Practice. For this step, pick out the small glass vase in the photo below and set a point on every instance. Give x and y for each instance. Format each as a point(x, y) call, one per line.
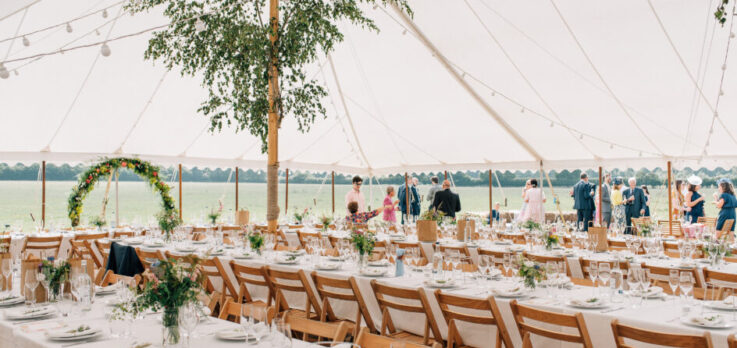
point(170, 335)
point(361, 261)
point(167, 236)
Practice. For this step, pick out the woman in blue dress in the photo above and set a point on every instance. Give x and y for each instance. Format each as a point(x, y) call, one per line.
point(726, 202)
point(647, 200)
point(694, 200)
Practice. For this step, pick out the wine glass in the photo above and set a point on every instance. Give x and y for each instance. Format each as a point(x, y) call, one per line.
point(6, 271)
point(686, 284)
point(283, 334)
point(507, 263)
point(644, 283)
point(604, 273)
point(189, 317)
point(484, 265)
point(633, 283)
point(673, 280)
point(248, 322)
point(31, 284)
point(593, 273)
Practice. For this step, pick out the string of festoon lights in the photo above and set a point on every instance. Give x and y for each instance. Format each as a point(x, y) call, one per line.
point(105, 49)
point(721, 85)
point(67, 24)
point(523, 109)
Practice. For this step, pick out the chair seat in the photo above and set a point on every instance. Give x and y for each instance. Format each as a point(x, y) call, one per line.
point(408, 337)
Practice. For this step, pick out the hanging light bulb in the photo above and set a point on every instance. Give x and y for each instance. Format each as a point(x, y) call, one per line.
point(731, 35)
point(199, 25)
point(707, 142)
point(522, 110)
point(26, 42)
point(493, 93)
point(552, 124)
point(711, 130)
point(716, 114)
point(104, 13)
point(4, 74)
point(721, 92)
point(376, 6)
point(724, 66)
point(69, 28)
point(611, 146)
point(105, 50)
point(404, 32)
point(581, 136)
point(640, 154)
point(16, 72)
point(97, 32)
point(463, 75)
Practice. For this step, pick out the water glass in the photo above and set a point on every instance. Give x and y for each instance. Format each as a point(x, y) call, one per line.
point(188, 319)
point(65, 303)
point(31, 285)
point(282, 334)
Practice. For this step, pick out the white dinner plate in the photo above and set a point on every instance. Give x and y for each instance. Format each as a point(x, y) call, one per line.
point(107, 290)
point(440, 284)
point(327, 266)
point(73, 333)
point(693, 321)
point(242, 256)
point(232, 334)
point(380, 263)
point(592, 303)
point(287, 262)
point(12, 301)
point(373, 272)
point(653, 292)
point(185, 249)
point(720, 305)
point(510, 293)
point(29, 313)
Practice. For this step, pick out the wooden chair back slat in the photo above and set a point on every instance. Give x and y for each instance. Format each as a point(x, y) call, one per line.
point(256, 276)
point(526, 329)
point(336, 332)
point(367, 339)
point(41, 244)
point(448, 303)
point(383, 291)
point(662, 339)
point(350, 293)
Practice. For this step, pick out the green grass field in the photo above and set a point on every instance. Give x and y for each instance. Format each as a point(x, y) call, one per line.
point(138, 204)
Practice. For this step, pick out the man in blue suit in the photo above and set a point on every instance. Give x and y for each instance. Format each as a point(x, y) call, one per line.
point(634, 200)
point(414, 198)
point(583, 198)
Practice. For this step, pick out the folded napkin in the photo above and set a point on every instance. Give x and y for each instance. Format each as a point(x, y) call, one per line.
point(707, 320)
point(730, 300)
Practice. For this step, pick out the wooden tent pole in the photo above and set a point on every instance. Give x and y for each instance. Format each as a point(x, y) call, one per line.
point(107, 194)
point(236, 189)
point(601, 214)
point(491, 204)
point(272, 190)
point(43, 194)
point(286, 193)
point(670, 201)
point(445, 175)
point(117, 201)
point(180, 190)
point(332, 185)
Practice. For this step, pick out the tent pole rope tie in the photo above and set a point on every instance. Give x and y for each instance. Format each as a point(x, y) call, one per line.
point(601, 78)
point(527, 80)
point(319, 189)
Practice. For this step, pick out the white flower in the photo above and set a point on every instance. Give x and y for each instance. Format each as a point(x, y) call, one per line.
point(529, 264)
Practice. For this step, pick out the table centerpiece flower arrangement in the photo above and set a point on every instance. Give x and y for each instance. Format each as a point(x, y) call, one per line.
point(531, 225)
point(256, 241)
point(168, 221)
point(645, 229)
point(98, 221)
point(531, 272)
point(325, 221)
point(364, 242)
point(299, 216)
point(56, 272)
point(214, 215)
point(169, 285)
point(433, 214)
point(550, 239)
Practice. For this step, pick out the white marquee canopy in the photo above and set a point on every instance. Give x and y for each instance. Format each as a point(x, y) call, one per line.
point(464, 84)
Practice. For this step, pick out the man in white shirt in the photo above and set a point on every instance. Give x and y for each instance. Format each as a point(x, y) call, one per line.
point(355, 195)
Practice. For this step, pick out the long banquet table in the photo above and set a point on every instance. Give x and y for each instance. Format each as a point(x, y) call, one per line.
point(656, 314)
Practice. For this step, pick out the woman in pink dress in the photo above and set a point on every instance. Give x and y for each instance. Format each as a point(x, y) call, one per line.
point(534, 199)
point(389, 206)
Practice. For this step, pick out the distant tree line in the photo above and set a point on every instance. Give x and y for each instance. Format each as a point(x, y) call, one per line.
point(657, 177)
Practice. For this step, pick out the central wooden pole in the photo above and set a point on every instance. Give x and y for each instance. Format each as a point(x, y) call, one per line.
point(406, 195)
point(43, 194)
point(670, 201)
point(333, 189)
point(180, 190)
point(236, 189)
point(272, 178)
point(286, 193)
point(445, 175)
point(601, 214)
point(491, 203)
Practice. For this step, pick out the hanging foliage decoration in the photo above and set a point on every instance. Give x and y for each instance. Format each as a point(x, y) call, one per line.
point(88, 179)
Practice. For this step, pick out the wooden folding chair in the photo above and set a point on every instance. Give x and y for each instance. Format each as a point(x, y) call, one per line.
point(111, 278)
point(707, 221)
point(675, 225)
point(91, 236)
point(148, 257)
point(527, 329)
point(304, 238)
point(367, 339)
point(718, 281)
point(624, 266)
point(658, 338)
point(497, 257)
point(659, 275)
point(255, 276)
point(727, 230)
point(543, 259)
point(336, 331)
point(732, 341)
point(414, 245)
point(293, 281)
point(41, 245)
point(80, 249)
point(103, 248)
point(448, 303)
point(385, 295)
point(122, 234)
point(462, 249)
point(330, 288)
point(233, 311)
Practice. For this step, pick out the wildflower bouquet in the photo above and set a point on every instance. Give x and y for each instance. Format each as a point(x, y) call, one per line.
point(168, 221)
point(57, 273)
point(530, 225)
point(531, 272)
point(300, 216)
point(363, 241)
point(433, 214)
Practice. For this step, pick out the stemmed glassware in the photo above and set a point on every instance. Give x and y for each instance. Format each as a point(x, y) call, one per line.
point(6, 269)
point(686, 284)
point(484, 264)
point(604, 274)
point(644, 283)
point(593, 273)
point(189, 317)
point(283, 334)
point(507, 263)
point(633, 282)
point(31, 285)
point(673, 281)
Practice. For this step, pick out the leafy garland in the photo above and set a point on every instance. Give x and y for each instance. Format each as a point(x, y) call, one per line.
point(103, 169)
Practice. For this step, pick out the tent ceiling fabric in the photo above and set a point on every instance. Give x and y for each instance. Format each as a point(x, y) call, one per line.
point(409, 112)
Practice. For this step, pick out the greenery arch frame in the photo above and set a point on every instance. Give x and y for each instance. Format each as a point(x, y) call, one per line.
point(89, 178)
